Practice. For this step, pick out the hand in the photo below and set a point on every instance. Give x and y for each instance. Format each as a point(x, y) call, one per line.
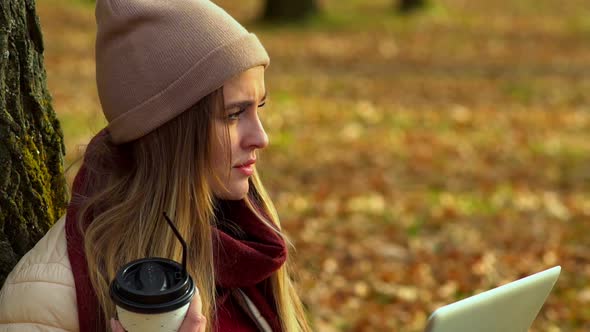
point(193, 322)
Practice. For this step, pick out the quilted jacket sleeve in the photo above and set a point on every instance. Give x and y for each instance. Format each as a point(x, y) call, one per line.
point(39, 294)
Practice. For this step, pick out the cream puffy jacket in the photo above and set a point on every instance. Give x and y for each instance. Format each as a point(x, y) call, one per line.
point(39, 294)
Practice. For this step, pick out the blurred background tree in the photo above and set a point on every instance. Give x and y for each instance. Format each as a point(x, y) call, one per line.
point(406, 6)
point(289, 10)
point(32, 184)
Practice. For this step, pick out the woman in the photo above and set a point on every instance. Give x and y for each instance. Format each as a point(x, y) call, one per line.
point(181, 84)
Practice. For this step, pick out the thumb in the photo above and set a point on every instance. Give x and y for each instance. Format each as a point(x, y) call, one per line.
point(194, 319)
point(116, 326)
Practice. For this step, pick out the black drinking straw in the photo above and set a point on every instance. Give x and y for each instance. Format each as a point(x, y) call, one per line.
point(184, 249)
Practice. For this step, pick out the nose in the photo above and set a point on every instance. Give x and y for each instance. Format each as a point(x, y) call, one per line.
point(256, 137)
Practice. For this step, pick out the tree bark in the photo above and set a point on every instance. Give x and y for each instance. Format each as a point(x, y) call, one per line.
point(406, 6)
point(33, 192)
point(289, 10)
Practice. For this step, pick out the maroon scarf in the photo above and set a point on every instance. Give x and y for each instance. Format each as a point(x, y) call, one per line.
point(239, 263)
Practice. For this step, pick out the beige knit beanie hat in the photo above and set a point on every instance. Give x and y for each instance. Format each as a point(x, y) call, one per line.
point(156, 58)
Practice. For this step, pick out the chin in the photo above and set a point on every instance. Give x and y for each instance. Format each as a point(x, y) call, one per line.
point(235, 192)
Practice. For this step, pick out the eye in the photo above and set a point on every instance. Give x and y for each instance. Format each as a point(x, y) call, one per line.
point(236, 115)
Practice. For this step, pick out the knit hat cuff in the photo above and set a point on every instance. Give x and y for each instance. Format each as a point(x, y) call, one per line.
point(204, 77)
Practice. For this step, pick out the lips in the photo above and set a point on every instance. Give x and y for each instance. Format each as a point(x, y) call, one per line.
point(246, 168)
point(247, 163)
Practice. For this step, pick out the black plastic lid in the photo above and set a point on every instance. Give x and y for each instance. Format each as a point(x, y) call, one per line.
point(152, 285)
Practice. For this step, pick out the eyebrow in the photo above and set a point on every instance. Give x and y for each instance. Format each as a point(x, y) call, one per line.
point(244, 104)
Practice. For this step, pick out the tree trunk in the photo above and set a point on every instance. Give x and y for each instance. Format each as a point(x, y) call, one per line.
point(289, 10)
point(33, 192)
point(406, 6)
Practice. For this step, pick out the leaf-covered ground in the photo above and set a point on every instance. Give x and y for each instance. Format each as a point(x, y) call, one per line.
point(414, 161)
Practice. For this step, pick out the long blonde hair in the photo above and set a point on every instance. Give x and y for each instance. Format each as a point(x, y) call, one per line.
point(166, 171)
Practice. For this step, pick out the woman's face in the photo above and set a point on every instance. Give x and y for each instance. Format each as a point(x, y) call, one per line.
point(243, 96)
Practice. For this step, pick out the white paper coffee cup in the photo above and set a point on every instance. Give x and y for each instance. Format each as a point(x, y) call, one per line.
point(162, 322)
point(152, 294)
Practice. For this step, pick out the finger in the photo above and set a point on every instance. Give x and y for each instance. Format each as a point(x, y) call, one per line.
point(193, 323)
point(116, 326)
point(196, 302)
point(194, 320)
point(203, 325)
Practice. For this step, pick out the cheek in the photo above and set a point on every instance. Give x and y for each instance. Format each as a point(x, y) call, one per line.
point(231, 145)
point(223, 147)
